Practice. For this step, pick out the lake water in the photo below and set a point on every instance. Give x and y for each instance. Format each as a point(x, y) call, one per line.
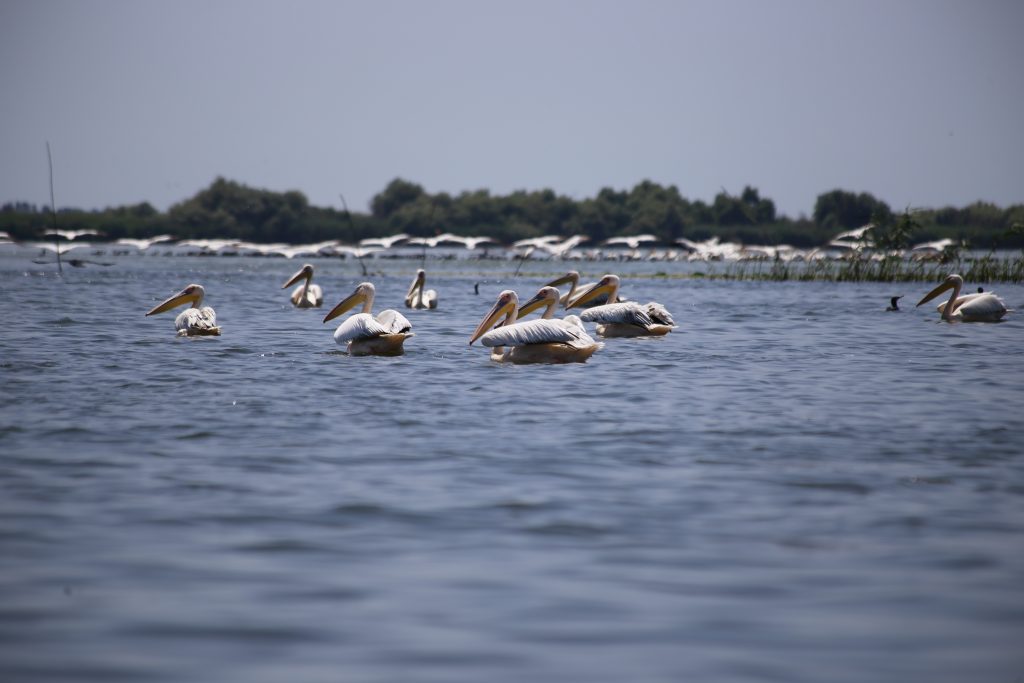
point(793, 486)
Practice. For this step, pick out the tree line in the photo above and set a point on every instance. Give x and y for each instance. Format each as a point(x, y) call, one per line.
point(228, 209)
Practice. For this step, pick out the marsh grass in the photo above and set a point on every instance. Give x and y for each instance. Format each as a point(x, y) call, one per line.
point(861, 268)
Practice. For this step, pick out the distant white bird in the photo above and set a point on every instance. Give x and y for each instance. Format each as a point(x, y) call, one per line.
point(936, 246)
point(207, 244)
point(631, 241)
point(425, 242)
point(533, 341)
point(383, 242)
point(474, 242)
point(193, 321)
point(416, 297)
point(365, 334)
point(355, 252)
point(143, 243)
point(306, 295)
point(561, 248)
point(856, 234)
point(536, 242)
point(623, 319)
point(71, 234)
point(983, 307)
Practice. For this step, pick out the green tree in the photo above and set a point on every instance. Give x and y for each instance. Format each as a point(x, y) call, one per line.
point(398, 194)
point(841, 210)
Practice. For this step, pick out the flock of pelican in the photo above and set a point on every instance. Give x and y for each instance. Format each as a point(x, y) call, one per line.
point(511, 339)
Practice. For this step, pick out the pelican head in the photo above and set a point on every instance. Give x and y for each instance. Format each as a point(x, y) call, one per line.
point(192, 294)
point(506, 305)
point(305, 272)
point(417, 283)
point(545, 296)
point(572, 278)
point(363, 294)
point(609, 284)
point(952, 281)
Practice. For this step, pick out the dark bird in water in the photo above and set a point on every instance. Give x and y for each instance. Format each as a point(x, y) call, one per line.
point(476, 288)
point(893, 303)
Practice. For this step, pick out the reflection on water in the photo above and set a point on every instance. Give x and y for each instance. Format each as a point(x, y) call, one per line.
point(795, 485)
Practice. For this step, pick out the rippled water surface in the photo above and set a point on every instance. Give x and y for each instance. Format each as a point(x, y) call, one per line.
point(793, 486)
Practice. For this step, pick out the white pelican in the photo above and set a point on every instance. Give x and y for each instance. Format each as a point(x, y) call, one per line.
point(983, 307)
point(546, 296)
point(576, 290)
point(193, 321)
point(416, 297)
point(306, 295)
point(625, 318)
point(534, 341)
point(366, 334)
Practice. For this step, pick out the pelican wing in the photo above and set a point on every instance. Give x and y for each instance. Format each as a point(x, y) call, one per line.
point(982, 306)
point(316, 295)
point(536, 332)
point(659, 314)
point(393, 321)
point(359, 326)
point(960, 301)
point(194, 321)
point(628, 312)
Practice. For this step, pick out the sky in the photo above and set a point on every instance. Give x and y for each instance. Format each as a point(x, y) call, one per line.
point(918, 102)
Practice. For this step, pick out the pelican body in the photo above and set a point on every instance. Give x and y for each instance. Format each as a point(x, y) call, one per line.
point(416, 297)
point(983, 307)
point(194, 321)
point(625, 318)
point(535, 341)
point(306, 295)
point(365, 334)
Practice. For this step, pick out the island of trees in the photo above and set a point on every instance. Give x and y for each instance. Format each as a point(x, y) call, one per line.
point(231, 210)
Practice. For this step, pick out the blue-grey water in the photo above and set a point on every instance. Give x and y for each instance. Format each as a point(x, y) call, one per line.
point(793, 486)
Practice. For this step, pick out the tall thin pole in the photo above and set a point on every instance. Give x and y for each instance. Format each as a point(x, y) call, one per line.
point(53, 209)
point(522, 260)
point(352, 227)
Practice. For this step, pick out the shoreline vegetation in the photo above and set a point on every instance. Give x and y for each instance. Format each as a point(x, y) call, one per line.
point(849, 237)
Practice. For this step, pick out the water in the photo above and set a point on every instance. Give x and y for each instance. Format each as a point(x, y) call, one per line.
point(793, 486)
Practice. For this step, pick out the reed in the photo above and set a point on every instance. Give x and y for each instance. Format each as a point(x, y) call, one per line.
point(864, 268)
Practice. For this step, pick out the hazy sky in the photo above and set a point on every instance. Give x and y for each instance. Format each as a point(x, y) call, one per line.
point(920, 103)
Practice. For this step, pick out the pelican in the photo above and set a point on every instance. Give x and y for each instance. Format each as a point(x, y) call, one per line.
point(193, 321)
point(626, 318)
point(366, 334)
point(416, 297)
point(894, 304)
point(534, 341)
point(983, 307)
point(576, 290)
point(960, 300)
point(546, 296)
point(306, 295)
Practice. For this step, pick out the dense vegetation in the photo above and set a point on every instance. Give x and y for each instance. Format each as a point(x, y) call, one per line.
point(227, 209)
